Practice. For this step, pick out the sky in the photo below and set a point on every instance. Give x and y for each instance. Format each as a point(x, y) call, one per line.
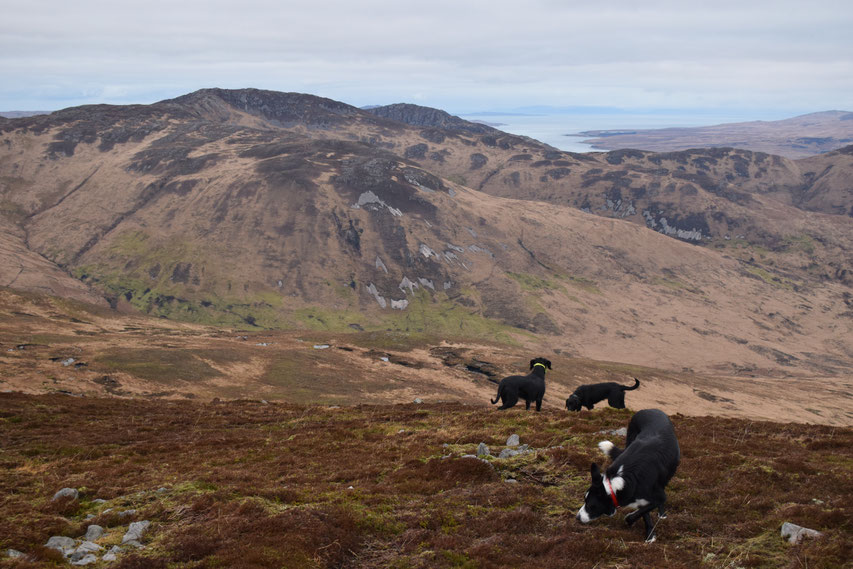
point(462, 56)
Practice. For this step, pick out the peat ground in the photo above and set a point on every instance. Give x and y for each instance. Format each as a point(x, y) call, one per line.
point(250, 484)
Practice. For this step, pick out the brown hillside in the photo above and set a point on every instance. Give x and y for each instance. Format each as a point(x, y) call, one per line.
point(266, 210)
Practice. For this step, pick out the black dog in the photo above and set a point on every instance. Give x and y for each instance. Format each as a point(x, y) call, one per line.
point(639, 473)
point(588, 395)
point(530, 387)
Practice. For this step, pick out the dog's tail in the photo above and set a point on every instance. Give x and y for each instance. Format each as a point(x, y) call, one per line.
point(498, 396)
point(609, 449)
point(635, 386)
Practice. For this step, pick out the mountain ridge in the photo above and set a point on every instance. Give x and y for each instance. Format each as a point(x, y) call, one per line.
point(290, 211)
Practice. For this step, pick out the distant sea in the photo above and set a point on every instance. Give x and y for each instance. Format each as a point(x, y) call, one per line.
point(553, 128)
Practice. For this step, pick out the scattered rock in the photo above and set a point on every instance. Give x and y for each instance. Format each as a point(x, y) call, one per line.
point(66, 493)
point(134, 533)
point(112, 555)
point(94, 533)
point(483, 450)
point(794, 533)
point(513, 440)
point(85, 560)
point(14, 553)
point(623, 432)
point(61, 543)
point(511, 481)
point(321, 346)
point(508, 453)
point(418, 401)
point(88, 547)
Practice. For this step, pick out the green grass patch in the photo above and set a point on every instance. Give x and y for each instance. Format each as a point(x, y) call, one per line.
point(769, 278)
point(532, 283)
point(583, 283)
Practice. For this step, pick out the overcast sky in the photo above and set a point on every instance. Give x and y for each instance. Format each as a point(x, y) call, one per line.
point(458, 55)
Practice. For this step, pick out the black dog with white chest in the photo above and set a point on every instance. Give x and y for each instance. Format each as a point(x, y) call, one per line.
point(588, 395)
point(530, 387)
point(638, 476)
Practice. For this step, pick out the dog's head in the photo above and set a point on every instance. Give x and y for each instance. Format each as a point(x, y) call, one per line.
point(543, 361)
point(573, 403)
point(597, 502)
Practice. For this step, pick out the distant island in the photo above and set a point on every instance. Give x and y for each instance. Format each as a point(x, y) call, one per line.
point(798, 137)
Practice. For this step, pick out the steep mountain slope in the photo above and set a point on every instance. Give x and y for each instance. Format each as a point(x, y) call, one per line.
point(729, 199)
point(259, 209)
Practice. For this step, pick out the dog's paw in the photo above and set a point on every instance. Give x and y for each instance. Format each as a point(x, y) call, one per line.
point(606, 447)
point(662, 517)
point(651, 539)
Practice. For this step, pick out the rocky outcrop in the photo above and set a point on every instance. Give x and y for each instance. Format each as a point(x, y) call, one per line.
point(416, 115)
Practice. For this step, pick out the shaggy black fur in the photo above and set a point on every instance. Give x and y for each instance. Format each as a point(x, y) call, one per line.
point(638, 476)
point(530, 387)
point(588, 395)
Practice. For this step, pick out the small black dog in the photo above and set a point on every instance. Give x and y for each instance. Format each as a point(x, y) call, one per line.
point(588, 395)
point(530, 387)
point(638, 476)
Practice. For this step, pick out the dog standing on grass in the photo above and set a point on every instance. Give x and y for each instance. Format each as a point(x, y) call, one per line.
point(588, 395)
point(530, 387)
point(638, 476)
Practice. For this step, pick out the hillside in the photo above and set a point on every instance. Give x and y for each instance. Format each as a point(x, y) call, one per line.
point(50, 345)
point(797, 137)
point(259, 210)
point(249, 484)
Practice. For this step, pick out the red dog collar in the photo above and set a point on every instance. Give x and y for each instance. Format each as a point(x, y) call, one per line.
point(609, 488)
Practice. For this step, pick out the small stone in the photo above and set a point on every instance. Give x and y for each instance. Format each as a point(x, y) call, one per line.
point(134, 532)
point(508, 453)
point(483, 450)
point(126, 513)
point(511, 481)
point(794, 533)
point(85, 560)
point(418, 401)
point(94, 532)
point(513, 440)
point(14, 553)
point(88, 547)
point(66, 493)
point(61, 543)
point(109, 557)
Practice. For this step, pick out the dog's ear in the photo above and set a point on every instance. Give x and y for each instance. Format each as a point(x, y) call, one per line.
point(532, 362)
point(595, 473)
point(548, 363)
